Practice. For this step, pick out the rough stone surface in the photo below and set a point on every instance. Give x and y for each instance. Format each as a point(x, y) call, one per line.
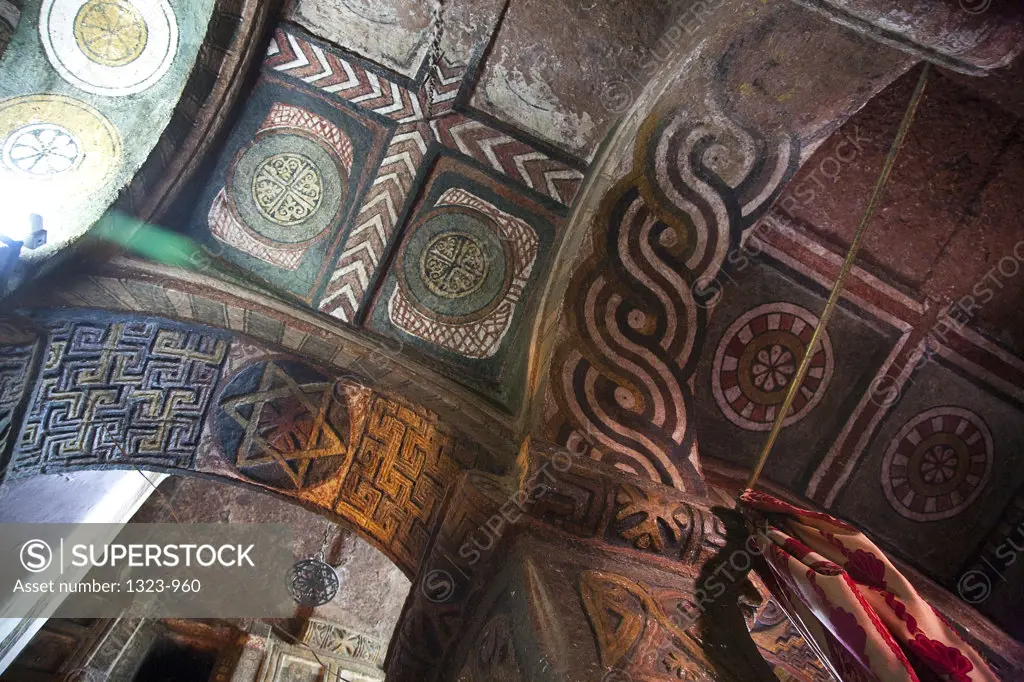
point(395, 33)
point(374, 589)
point(565, 70)
point(949, 214)
point(970, 34)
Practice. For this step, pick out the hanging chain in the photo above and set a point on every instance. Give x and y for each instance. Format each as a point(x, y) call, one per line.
point(322, 554)
point(837, 288)
point(434, 57)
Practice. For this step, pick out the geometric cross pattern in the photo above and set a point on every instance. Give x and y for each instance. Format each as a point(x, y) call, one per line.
point(334, 639)
point(119, 392)
point(285, 191)
point(15, 366)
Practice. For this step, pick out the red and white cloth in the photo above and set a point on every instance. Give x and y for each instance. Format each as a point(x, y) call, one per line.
point(865, 620)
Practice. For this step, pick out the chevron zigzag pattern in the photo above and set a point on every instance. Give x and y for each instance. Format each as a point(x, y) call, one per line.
point(509, 156)
point(375, 223)
point(328, 71)
point(447, 83)
point(332, 72)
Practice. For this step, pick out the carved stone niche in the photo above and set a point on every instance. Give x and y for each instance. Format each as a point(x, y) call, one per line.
point(327, 651)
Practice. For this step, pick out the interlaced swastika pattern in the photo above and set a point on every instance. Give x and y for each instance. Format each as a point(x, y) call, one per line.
point(119, 392)
point(397, 480)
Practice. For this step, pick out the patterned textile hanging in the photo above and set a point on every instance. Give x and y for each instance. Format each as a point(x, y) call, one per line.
point(861, 615)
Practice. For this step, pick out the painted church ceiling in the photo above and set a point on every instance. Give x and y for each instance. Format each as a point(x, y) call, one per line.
point(383, 200)
point(425, 209)
point(405, 204)
point(86, 88)
point(423, 203)
point(910, 421)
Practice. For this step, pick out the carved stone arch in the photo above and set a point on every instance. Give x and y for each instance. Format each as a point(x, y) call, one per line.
point(109, 390)
point(200, 296)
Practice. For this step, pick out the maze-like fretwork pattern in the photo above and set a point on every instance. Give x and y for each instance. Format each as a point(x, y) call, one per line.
point(118, 392)
point(397, 480)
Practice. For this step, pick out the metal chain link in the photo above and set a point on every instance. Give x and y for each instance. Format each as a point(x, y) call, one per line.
point(436, 33)
point(322, 554)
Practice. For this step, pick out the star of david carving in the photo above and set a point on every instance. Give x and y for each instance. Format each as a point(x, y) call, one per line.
point(288, 424)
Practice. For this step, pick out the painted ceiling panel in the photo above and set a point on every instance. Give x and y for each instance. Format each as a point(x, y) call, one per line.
point(86, 88)
point(391, 204)
point(758, 331)
point(565, 71)
point(940, 469)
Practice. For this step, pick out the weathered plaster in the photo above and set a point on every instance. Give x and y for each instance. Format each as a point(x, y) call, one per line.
point(69, 208)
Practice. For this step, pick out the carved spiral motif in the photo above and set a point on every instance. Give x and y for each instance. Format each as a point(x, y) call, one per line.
point(635, 313)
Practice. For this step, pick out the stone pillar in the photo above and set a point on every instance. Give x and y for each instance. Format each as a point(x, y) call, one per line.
point(581, 572)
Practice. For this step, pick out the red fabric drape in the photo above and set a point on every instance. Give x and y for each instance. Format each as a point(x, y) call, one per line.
point(865, 620)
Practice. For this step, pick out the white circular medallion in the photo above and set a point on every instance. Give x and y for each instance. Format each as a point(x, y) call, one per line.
point(41, 149)
point(109, 47)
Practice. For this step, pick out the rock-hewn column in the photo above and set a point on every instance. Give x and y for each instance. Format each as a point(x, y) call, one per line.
point(580, 573)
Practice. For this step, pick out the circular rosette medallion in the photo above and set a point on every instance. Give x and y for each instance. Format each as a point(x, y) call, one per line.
point(455, 265)
point(287, 188)
point(937, 464)
point(109, 47)
point(55, 149)
point(757, 360)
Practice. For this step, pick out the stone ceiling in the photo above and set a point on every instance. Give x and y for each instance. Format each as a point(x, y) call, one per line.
point(545, 230)
point(415, 182)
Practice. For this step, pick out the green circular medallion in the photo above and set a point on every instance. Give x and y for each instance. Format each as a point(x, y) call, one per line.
point(288, 188)
point(455, 265)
